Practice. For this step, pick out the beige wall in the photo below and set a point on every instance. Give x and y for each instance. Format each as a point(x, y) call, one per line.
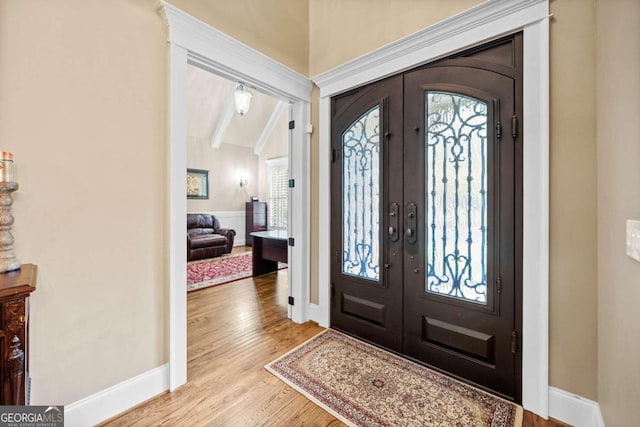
point(277, 28)
point(83, 107)
point(341, 30)
point(573, 292)
point(618, 31)
point(225, 165)
point(573, 264)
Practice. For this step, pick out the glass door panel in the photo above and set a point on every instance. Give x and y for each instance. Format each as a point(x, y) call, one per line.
point(456, 195)
point(361, 197)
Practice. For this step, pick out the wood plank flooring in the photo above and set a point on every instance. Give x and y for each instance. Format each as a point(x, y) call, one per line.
point(233, 331)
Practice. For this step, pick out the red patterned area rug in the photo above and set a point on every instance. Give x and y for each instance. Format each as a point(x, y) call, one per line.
point(217, 271)
point(363, 385)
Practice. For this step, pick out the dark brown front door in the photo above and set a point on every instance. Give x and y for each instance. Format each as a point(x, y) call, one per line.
point(426, 215)
point(366, 241)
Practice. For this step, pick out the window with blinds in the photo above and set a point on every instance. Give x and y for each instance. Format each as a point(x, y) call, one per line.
point(278, 190)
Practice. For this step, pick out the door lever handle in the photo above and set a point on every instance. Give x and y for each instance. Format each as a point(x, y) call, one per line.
point(412, 223)
point(394, 209)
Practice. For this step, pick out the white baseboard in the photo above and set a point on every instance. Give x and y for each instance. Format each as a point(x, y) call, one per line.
point(599, 419)
point(573, 409)
point(118, 398)
point(314, 312)
point(563, 406)
point(234, 220)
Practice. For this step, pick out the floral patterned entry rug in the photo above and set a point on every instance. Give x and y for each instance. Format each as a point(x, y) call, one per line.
point(363, 385)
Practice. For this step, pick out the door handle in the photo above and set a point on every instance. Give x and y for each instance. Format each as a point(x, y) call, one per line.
point(393, 221)
point(412, 223)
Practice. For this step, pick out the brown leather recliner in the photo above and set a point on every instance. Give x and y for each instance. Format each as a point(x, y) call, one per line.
point(205, 238)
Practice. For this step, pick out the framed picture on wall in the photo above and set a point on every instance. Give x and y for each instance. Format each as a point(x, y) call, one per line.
point(197, 184)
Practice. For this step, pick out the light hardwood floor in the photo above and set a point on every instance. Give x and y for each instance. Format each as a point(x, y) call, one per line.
point(233, 331)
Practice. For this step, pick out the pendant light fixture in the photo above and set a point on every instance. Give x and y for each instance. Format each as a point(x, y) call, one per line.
point(242, 99)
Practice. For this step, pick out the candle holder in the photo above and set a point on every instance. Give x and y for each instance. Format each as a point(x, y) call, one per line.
point(8, 261)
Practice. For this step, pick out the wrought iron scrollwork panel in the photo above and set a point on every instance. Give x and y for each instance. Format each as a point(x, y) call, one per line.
point(360, 196)
point(456, 195)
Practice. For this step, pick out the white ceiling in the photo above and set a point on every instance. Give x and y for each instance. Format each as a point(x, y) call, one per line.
point(208, 95)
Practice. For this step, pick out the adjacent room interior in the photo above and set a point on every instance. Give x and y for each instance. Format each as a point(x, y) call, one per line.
point(237, 178)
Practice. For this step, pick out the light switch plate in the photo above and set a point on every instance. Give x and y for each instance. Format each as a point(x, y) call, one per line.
point(633, 239)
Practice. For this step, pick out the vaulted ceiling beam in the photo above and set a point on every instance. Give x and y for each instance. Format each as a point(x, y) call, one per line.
point(223, 123)
point(268, 128)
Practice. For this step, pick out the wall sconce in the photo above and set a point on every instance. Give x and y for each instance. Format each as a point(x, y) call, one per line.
point(242, 99)
point(243, 182)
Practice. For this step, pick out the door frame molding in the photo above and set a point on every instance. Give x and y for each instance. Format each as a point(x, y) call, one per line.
point(193, 42)
point(480, 24)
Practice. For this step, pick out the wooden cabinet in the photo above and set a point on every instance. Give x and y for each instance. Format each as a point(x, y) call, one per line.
point(15, 288)
point(256, 219)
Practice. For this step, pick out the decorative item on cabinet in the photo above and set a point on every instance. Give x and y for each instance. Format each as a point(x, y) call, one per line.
point(15, 288)
point(8, 261)
point(256, 219)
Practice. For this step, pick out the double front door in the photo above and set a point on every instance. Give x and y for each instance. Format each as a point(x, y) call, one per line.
point(426, 215)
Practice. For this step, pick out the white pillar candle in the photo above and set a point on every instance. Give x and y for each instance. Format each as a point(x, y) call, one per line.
point(6, 174)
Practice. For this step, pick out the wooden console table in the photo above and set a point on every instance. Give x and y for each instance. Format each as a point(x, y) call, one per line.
point(269, 248)
point(15, 288)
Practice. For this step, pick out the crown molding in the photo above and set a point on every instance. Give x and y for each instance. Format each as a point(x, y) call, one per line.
point(438, 40)
point(214, 50)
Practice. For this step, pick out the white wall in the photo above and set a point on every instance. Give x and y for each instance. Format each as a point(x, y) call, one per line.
point(225, 165)
point(276, 146)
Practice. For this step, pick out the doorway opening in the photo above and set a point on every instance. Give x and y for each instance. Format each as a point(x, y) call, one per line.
point(237, 178)
point(192, 42)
